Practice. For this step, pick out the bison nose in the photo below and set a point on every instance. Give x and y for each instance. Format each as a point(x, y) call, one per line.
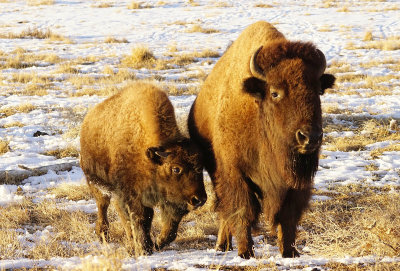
point(196, 202)
point(308, 138)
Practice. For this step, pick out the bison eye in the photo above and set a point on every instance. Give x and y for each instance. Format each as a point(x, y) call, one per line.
point(176, 170)
point(275, 94)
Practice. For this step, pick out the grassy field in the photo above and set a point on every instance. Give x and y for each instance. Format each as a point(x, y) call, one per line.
point(50, 77)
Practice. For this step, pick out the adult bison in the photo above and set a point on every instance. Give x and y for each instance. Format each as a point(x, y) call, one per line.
point(131, 149)
point(258, 119)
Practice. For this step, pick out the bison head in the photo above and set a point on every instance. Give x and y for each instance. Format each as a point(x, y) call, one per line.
point(179, 174)
point(287, 80)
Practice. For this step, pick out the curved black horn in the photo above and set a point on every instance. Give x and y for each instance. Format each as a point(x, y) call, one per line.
point(255, 70)
point(323, 62)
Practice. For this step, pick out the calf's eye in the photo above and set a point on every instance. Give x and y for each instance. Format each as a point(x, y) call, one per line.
point(274, 94)
point(176, 170)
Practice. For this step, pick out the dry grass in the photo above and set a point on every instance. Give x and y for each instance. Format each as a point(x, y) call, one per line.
point(35, 33)
point(115, 40)
point(40, 2)
point(70, 151)
point(263, 5)
point(140, 57)
point(371, 131)
point(139, 5)
point(200, 29)
point(12, 124)
point(343, 9)
point(368, 36)
point(20, 59)
point(325, 28)
point(4, 146)
point(377, 153)
point(90, 91)
point(387, 44)
point(71, 192)
point(11, 110)
point(357, 221)
point(67, 67)
point(103, 4)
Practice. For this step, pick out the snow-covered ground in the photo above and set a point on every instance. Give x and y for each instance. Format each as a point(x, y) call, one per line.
point(163, 25)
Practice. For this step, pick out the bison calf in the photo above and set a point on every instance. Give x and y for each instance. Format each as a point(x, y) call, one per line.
point(132, 149)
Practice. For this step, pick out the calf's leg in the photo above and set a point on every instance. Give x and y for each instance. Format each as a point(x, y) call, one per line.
point(171, 216)
point(102, 202)
point(136, 220)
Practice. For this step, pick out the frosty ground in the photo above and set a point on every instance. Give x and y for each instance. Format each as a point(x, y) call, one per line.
point(59, 58)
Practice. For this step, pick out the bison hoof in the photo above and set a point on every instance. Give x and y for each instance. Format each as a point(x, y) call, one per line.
point(104, 237)
point(291, 253)
point(246, 254)
point(223, 247)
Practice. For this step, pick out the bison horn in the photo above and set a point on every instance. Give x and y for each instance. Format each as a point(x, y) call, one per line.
point(322, 62)
point(255, 70)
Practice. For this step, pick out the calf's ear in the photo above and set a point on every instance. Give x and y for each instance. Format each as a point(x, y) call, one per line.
point(255, 87)
point(327, 81)
point(157, 155)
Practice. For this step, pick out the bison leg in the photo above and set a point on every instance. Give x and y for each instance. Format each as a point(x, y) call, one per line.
point(238, 207)
point(136, 220)
point(170, 217)
point(102, 202)
point(287, 219)
point(224, 241)
point(245, 242)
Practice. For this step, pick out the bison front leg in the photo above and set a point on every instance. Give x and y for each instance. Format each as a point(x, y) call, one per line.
point(244, 240)
point(238, 209)
point(287, 219)
point(170, 218)
point(136, 220)
point(102, 202)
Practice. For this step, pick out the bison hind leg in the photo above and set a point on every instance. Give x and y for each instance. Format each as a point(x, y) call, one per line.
point(102, 202)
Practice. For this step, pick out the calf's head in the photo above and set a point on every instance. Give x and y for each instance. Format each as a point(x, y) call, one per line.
point(179, 173)
point(287, 80)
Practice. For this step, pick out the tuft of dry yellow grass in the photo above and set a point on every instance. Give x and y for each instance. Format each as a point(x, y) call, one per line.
point(115, 40)
point(36, 33)
point(12, 124)
point(4, 146)
point(11, 110)
point(141, 56)
point(200, 29)
point(70, 151)
point(140, 5)
point(39, 2)
point(263, 5)
point(368, 36)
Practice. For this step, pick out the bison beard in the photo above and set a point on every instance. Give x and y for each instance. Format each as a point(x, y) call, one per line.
point(303, 168)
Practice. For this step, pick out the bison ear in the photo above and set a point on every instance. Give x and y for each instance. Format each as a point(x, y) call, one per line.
point(327, 81)
point(157, 155)
point(255, 87)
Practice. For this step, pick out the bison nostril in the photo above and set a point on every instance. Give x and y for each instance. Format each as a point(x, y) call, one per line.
point(195, 201)
point(302, 137)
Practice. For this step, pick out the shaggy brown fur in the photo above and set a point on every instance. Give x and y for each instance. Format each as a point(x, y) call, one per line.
point(131, 148)
point(261, 133)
